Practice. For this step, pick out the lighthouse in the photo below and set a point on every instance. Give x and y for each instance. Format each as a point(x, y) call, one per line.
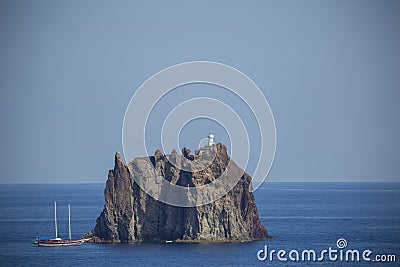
point(210, 139)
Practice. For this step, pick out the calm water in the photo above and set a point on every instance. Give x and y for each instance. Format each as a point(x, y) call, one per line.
point(299, 215)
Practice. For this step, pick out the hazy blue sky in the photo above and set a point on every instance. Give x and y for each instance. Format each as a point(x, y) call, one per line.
point(329, 69)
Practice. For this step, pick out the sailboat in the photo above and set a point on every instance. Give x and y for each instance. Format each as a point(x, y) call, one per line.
point(57, 241)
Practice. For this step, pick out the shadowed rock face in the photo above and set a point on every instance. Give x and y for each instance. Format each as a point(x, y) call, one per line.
point(131, 215)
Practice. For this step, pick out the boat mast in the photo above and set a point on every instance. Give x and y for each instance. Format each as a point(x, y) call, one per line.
point(69, 221)
point(55, 217)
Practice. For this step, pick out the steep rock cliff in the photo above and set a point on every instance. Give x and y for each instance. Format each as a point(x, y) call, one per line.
point(131, 215)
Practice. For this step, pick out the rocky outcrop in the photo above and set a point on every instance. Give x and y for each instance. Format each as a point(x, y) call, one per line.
point(131, 215)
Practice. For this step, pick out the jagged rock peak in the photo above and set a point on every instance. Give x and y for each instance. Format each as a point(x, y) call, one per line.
point(118, 161)
point(186, 152)
point(158, 155)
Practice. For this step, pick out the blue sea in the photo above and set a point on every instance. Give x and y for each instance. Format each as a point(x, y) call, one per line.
point(301, 216)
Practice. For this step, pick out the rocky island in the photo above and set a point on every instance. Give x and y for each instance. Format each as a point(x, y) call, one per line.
point(131, 215)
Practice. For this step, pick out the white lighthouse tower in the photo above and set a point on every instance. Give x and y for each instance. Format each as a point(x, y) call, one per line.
point(210, 139)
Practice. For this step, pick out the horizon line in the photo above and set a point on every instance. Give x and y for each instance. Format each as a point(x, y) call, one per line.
point(265, 182)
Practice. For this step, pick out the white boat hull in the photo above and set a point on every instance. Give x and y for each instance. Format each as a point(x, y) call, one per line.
point(60, 244)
